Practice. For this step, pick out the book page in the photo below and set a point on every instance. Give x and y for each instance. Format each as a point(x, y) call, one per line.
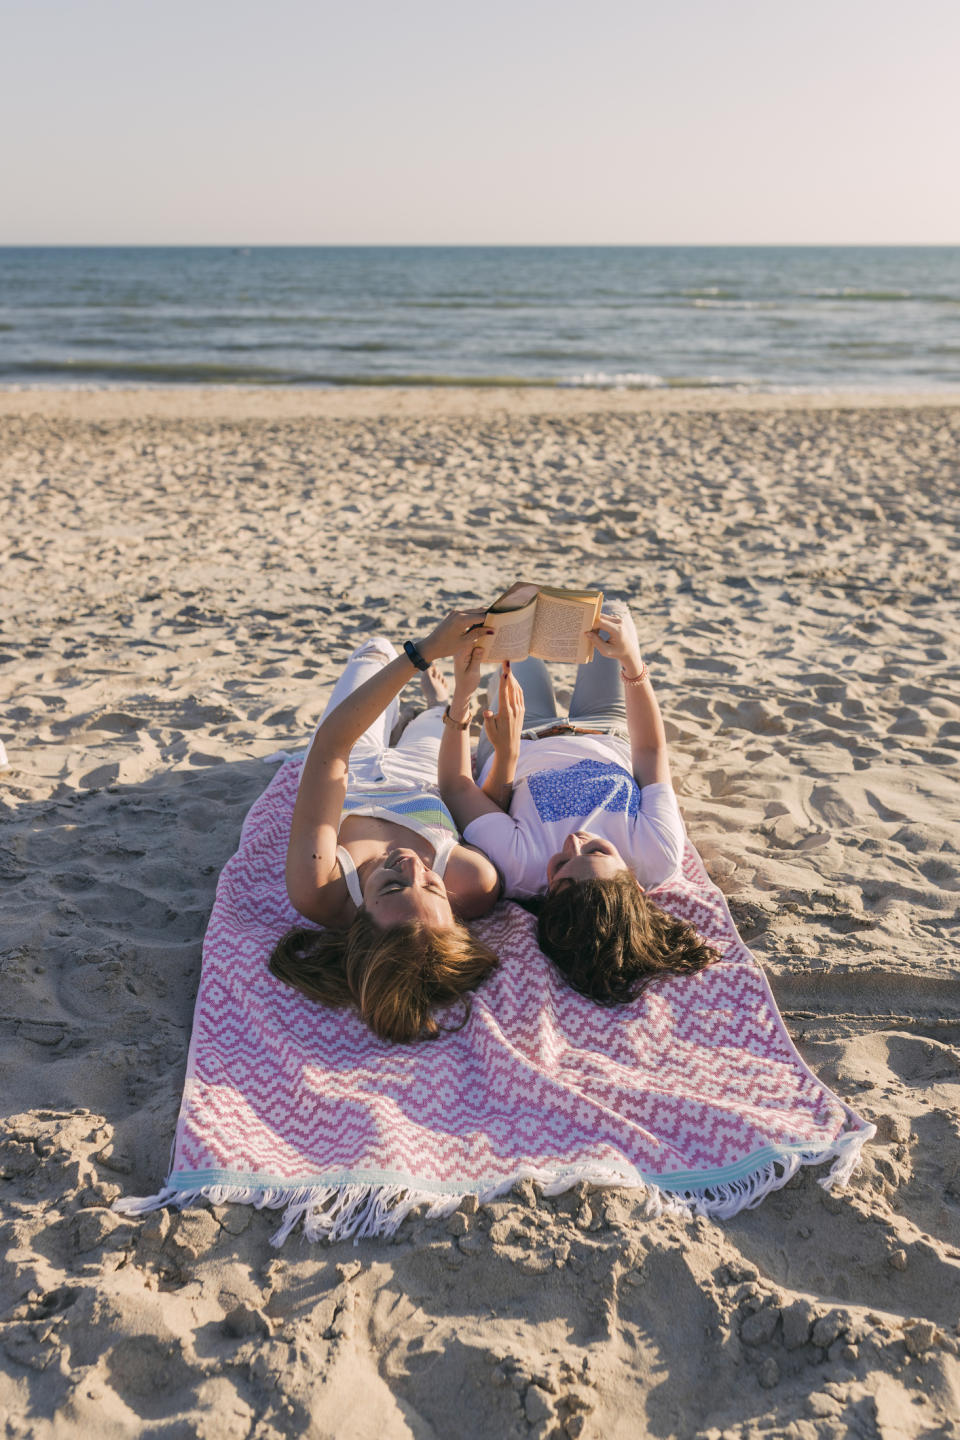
point(513, 628)
point(559, 630)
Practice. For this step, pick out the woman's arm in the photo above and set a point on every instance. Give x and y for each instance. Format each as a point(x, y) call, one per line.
point(312, 850)
point(648, 740)
point(462, 796)
point(503, 731)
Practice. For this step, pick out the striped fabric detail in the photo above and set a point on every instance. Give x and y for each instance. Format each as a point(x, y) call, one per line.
point(419, 806)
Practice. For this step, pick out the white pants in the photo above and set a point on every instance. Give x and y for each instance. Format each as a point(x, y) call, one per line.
point(413, 760)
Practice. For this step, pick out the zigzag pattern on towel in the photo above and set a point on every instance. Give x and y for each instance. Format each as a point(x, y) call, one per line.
point(697, 1075)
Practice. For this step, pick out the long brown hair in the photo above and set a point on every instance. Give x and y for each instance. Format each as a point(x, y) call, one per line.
point(394, 977)
point(610, 940)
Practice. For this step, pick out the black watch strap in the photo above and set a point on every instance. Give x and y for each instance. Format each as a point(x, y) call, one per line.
point(414, 656)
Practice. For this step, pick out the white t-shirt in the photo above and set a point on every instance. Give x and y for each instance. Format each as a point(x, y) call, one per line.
point(578, 782)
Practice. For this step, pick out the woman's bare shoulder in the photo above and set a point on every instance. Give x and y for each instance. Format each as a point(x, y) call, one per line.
point(472, 881)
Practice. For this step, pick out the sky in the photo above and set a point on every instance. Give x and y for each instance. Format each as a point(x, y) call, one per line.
point(507, 122)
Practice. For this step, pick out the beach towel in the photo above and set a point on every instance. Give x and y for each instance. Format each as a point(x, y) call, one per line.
point(693, 1093)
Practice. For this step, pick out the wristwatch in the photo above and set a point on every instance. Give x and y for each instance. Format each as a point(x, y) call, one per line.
point(457, 724)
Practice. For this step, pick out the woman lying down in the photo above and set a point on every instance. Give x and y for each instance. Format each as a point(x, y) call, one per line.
point(579, 811)
point(375, 855)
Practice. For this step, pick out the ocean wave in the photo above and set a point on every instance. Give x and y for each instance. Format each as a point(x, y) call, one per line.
point(183, 317)
point(872, 349)
point(571, 353)
point(482, 302)
point(706, 292)
point(153, 371)
point(852, 292)
point(642, 380)
point(736, 304)
point(158, 373)
point(601, 380)
point(715, 382)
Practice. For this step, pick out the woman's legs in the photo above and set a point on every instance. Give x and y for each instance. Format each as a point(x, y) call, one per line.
point(598, 696)
point(539, 701)
point(413, 759)
point(420, 741)
point(365, 661)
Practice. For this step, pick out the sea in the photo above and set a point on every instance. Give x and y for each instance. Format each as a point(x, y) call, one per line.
point(778, 318)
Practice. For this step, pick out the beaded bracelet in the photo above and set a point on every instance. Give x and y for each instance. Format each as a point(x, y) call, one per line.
point(634, 679)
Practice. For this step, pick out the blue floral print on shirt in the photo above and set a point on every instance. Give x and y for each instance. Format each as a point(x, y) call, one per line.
point(583, 789)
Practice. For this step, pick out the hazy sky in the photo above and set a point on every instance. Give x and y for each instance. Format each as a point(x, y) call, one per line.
point(439, 121)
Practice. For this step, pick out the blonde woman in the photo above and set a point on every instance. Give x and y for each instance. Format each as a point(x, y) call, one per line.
point(375, 856)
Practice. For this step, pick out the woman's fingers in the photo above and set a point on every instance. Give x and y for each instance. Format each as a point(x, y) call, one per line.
point(609, 620)
point(615, 634)
point(467, 665)
point(445, 638)
point(468, 647)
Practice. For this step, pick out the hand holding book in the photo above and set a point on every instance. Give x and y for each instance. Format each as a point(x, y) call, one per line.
point(622, 642)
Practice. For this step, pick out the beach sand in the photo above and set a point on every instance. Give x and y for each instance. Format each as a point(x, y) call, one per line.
point(183, 574)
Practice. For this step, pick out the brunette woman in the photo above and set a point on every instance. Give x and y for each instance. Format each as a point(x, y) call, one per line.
point(579, 811)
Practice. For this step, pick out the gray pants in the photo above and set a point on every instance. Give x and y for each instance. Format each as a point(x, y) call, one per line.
point(597, 703)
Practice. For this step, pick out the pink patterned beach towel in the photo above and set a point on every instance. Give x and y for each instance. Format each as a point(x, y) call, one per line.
point(693, 1093)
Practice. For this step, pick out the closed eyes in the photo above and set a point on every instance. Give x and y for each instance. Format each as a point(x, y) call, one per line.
point(391, 889)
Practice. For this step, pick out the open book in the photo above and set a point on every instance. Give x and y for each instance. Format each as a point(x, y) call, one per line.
point(538, 620)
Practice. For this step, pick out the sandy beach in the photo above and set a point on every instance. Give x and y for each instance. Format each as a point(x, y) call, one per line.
point(183, 574)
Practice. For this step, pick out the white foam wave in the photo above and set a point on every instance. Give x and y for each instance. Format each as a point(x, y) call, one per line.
point(629, 379)
point(641, 380)
point(735, 305)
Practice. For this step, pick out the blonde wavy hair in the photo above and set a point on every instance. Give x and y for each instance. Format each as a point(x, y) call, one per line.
point(395, 978)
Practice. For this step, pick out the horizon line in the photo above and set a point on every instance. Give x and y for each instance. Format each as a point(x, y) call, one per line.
point(480, 245)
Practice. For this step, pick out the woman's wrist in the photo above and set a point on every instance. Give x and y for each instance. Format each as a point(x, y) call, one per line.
point(632, 664)
point(461, 705)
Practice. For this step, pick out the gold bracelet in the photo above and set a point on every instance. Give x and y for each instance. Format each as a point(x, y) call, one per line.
point(634, 679)
point(457, 724)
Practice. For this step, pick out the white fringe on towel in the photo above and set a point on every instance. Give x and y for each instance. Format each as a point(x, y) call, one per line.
point(344, 1212)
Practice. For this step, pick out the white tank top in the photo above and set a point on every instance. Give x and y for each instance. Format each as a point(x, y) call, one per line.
point(421, 811)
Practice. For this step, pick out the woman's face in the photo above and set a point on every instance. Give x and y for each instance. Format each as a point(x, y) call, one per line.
point(401, 890)
point(585, 857)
